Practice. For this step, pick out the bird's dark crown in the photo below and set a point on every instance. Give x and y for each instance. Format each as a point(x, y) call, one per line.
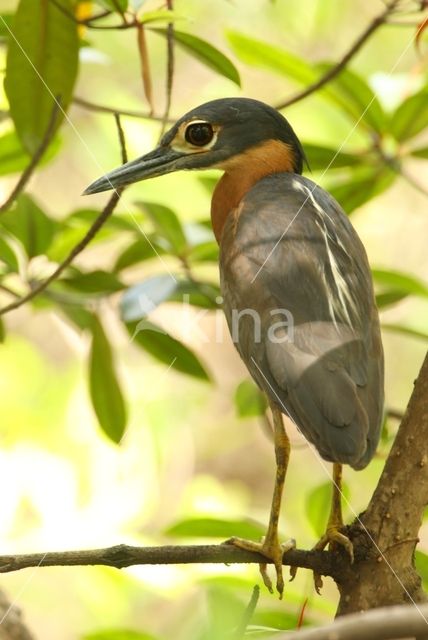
point(239, 124)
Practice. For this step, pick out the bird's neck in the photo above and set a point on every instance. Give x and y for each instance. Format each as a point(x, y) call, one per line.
point(242, 172)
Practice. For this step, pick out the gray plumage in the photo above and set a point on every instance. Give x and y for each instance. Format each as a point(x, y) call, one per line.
point(328, 375)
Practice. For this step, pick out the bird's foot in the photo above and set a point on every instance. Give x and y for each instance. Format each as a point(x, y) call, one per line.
point(274, 551)
point(332, 537)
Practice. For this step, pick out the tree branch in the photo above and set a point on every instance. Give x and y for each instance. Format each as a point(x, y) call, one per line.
point(91, 233)
point(91, 106)
point(387, 623)
point(28, 172)
point(123, 555)
point(377, 22)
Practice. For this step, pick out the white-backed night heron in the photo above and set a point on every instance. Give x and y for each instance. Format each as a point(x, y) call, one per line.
point(291, 261)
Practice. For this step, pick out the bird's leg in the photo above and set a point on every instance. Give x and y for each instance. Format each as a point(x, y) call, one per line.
point(335, 523)
point(270, 545)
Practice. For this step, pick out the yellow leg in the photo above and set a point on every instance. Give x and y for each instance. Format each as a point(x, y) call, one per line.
point(333, 533)
point(270, 545)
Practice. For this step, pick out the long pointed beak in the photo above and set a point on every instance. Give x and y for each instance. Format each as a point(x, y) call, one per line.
point(156, 163)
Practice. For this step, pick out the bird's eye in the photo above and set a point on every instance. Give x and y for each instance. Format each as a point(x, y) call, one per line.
point(199, 134)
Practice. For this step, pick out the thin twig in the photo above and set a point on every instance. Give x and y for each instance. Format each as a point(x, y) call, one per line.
point(122, 141)
point(412, 182)
point(28, 172)
point(377, 22)
point(91, 233)
point(145, 65)
point(122, 555)
point(91, 106)
point(170, 67)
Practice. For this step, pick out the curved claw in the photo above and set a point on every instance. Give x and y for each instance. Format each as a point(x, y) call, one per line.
point(332, 536)
point(274, 551)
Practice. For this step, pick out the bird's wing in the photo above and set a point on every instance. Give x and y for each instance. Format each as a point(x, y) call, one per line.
point(292, 256)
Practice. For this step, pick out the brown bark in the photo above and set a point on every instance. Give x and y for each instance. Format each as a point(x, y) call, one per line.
point(386, 534)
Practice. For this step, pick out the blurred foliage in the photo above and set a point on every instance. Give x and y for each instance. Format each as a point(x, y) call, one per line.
point(152, 257)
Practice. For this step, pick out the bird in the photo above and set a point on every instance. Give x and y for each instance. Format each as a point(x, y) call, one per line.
point(297, 292)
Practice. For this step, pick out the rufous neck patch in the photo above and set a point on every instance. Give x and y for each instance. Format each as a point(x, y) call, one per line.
point(242, 172)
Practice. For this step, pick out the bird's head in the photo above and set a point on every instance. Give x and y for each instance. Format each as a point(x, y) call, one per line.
point(216, 134)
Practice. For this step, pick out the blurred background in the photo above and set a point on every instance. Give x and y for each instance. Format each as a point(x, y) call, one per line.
point(195, 457)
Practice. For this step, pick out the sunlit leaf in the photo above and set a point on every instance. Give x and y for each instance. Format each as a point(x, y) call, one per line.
point(113, 5)
point(205, 53)
point(204, 252)
point(142, 298)
point(421, 564)
point(216, 528)
point(161, 16)
point(30, 225)
point(41, 65)
point(355, 97)
point(321, 158)
point(361, 187)
point(400, 282)
point(388, 298)
point(197, 293)
point(165, 348)
point(97, 281)
point(422, 153)
point(249, 400)
point(407, 331)
point(6, 20)
point(106, 394)
point(145, 248)
point(13, 158)
point(411, 117)
point(261, 54)
point(118, 634)
point(318, 504)
point(8, 256)
point(167, 225)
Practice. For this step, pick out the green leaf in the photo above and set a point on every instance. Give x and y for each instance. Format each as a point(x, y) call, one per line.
point(421, 565)
point(260, 54)
point(140, 250)
point(407, 331)
point(389, 298)
point(355, 97)
point(8, 256)
point(113, 5)
point(422, 153)
point(318, 506)
point(216, 528)
point(249, 400)
point(118, 634)
point(2, 330)
point(41, 65)
point(167, 225)
point(399, 281)
point(160, 16)
point(208, 182)
point(30, 225)
point(411, 117)
point(97, 281)
point(361, 187)
point(78, 315)
point(166, 349)
point(319, 158)
point(204, 252)
point(199, 294)
point(142, 298)
point(205, 53)
point(6, 20)
point(106, 395)
point(14, 159)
